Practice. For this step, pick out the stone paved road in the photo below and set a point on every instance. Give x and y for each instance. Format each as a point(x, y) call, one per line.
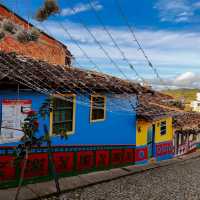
point(180, 181)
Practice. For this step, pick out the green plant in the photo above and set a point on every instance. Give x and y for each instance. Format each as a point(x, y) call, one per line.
point(8, 26)
point(34, 34)
point(22, 36)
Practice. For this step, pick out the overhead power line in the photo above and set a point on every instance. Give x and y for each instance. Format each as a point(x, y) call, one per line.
point(135, 39)
point(100, 45)
point(81, 49)
point(36, 86)
point(76, 43)
point(70, 35)
point(114, 42)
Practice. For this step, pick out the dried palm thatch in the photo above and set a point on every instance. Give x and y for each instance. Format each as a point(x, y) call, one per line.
point(187, 120)
point(41, 15)
point(8, 26)
point(50, 8)
point(61, 78)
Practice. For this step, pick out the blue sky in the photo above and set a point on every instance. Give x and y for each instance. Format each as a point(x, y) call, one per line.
point(167, 29)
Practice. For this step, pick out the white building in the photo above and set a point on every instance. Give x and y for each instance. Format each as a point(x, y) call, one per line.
point(196, 104)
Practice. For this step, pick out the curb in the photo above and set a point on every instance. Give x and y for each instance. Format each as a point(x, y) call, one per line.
point(67, 184)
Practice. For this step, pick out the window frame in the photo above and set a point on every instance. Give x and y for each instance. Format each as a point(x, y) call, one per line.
point(165, 127)
point(74, 116)
point(91, 108)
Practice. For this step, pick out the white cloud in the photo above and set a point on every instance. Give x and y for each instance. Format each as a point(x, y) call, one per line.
point(184, 80)
point(177, 11)
point(172, 52)
point(164, 47)
point(81, 8)
point(186, 77)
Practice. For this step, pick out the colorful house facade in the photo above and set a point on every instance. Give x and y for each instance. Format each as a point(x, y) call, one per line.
point(94, 121)
point(154, 135)
point(187, 133)
point(95, 111)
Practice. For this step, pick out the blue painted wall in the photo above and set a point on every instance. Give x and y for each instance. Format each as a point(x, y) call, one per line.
point(119, 126)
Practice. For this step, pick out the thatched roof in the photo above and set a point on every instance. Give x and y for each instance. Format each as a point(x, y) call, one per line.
point(45, 76)
point(187, 121)
point(154, 106)
point(151, 112)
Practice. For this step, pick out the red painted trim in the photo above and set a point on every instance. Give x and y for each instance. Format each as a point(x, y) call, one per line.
point(85, 160)
point(102, 158)
point(164, 148)
point(141, 154)
point(7, 170)
point(64, 161)
point(37, 165)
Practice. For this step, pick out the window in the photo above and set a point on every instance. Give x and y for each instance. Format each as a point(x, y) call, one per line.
point(163, 128)
point(98, 108)
point(63, 115)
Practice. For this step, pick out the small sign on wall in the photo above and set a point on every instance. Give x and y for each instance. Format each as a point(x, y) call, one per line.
point(13, 114)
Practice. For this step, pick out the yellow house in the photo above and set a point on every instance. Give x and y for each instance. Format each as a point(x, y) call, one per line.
point(154, 135)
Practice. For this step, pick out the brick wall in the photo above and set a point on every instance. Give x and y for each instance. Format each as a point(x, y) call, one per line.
point(46, 48)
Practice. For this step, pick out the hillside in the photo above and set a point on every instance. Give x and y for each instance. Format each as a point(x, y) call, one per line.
point(188, 94)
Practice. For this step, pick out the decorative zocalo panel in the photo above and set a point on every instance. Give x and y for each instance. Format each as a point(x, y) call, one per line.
point(164, 148)
point(141, 154)
point(68, 161)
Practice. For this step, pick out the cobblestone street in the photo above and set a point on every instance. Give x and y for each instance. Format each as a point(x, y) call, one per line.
point(180, 181)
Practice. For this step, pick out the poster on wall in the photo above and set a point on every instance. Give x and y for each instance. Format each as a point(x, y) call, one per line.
point(13, 114)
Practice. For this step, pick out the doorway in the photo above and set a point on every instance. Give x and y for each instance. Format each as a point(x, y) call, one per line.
point(151, 141)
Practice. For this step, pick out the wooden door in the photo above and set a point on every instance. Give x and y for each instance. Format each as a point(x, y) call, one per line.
point(150, 141)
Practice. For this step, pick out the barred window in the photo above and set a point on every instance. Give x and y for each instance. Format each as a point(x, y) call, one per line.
point(63, 115)
point(163, 128)
point(98, 108)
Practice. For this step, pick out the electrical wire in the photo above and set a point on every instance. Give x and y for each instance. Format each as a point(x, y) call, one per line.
point(29, 83)
point(68, 33)
point(83, 51)
point(100, 45)
point(114, 42)
point(135, 39)
point(36, 88)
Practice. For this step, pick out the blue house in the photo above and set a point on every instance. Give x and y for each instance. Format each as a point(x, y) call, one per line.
point(96, 111)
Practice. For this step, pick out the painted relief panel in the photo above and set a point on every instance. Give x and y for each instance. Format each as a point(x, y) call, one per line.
point(13, 114)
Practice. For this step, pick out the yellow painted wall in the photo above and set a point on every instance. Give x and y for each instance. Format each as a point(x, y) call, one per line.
point(141, 136)
point(169, 134)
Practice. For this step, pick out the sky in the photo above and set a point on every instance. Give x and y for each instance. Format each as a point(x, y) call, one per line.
point(168, 31)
